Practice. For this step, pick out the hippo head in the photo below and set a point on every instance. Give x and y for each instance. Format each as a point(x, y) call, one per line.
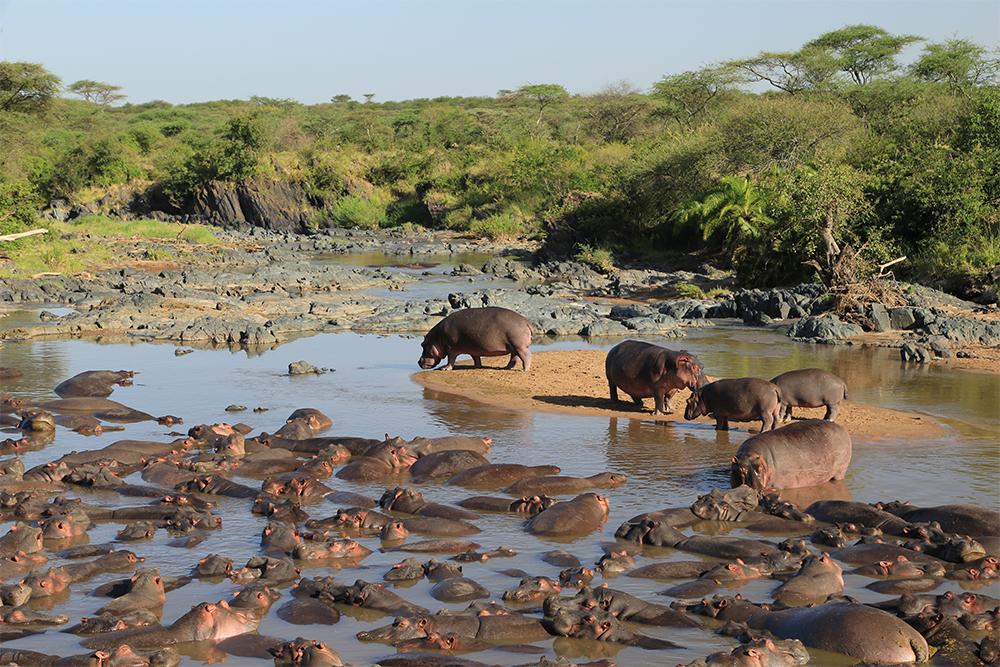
point(752, 471)
point(432, 356)
point(694, 407)
point(690, 371)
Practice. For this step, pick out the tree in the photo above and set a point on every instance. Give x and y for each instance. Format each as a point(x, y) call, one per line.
point(18, 205)
point(27, 87)
point(544, 94)
point(734, 210)
point(691, 96)
point(817, 201)
point(340, 99)
point(617, 111)
point(864, 52)
point(103, 94)
point(959, 63)
point(791, 72)
point(759, 134)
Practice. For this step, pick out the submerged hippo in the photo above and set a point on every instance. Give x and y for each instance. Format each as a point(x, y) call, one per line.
point(478, 332)
point(741, 399)
point(643, 370)
point(810, 388)
point(852, 629)
point(804, 453)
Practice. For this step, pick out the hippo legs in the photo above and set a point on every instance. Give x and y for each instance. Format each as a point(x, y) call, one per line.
point(525, 357)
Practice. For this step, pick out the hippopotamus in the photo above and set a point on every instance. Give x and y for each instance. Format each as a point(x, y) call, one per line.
point(602, 626)
point(804, 453)
point(93, 383)
point(204, 622)
point(532, 589)
point(856, 630)
point(741, 399)
point(342, 548)
point(489, 627)
point(733, 505)
point(446, 463)
point(314, 417)
point(458, 589)
point(810, 388)
point(624, 606)
point(478, 332)
point(644, 370)
point(553, 484)
point(305, 653)
point(145, 591)
point(578, 516)
point(498, 474)
point(818, 578)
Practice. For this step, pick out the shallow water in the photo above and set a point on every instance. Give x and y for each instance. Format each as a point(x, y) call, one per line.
point(370, 394)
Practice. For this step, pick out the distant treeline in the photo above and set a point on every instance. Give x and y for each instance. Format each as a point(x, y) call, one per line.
point(848, 148)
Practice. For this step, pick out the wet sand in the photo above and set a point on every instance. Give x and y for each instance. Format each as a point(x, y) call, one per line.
point(573, 382)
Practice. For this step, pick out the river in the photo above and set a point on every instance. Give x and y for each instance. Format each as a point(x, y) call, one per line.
point(369, 393)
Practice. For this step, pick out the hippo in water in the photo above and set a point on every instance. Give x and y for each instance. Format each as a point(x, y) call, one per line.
point(644, 370)
point(478, 332)
point(804, 453)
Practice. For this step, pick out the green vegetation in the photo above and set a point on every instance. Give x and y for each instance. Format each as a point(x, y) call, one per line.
point(851, 153)
point(61, 250)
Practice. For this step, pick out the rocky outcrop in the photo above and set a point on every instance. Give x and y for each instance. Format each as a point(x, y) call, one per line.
point(279, 206)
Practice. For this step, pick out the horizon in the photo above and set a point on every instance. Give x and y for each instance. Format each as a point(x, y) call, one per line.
point(308, 51)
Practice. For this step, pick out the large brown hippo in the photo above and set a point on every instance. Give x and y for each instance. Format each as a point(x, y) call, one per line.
point(804, 453)
point(856, 630)
point(810, 388)
point(578, 516)
point(742, 399)
point(478, 332)
point(644, 370)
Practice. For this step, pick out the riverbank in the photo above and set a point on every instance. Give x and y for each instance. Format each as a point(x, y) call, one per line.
point(573, 382)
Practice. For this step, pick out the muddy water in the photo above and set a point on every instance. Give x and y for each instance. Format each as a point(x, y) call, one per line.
point(370, 394)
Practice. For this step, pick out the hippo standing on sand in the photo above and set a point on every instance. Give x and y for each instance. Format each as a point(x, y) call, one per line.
point(642, 370)
point(810, 388)
point(478, 332)
point(742, 399)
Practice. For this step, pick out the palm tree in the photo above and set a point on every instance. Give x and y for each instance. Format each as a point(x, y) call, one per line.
point(734, 209)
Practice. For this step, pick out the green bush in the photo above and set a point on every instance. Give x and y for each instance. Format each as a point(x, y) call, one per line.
point(497, 227)
point(18, 202)
point(355, 211)
point(600, 258)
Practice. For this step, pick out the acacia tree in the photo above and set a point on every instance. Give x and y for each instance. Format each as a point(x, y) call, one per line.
point(864, 52)
point(959, 63)
point(27, 87)
point(103, 94)
point(544, 94)
point(617, 111)
point(791, 72)
point(692, 96)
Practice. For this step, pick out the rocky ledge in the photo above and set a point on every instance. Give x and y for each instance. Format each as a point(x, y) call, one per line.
point(263, 288)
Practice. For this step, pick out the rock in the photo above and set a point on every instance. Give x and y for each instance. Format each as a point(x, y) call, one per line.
point(878, 318)
point(911, 353)
point(826, 326)
point(302, 368)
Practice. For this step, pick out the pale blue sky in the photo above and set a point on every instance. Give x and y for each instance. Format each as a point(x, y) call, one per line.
point(184, 51)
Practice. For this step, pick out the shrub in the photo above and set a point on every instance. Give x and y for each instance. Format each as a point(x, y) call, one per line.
point(355, 211)
point(598, 257)
point(495, 227)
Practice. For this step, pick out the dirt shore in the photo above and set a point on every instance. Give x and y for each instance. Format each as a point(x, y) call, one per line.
point(573, 382)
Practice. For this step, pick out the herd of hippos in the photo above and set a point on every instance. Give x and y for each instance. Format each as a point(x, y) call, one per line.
point(907, 550)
